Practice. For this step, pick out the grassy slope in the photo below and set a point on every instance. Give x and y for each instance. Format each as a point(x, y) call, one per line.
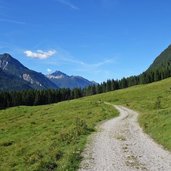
point(48, 137)
point(52, 136)
point(153, 102)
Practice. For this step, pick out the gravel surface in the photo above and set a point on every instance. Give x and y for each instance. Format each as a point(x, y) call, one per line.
point(121, 145)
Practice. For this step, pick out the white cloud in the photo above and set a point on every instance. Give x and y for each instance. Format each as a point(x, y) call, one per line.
point(67, 3)
point(40, 54)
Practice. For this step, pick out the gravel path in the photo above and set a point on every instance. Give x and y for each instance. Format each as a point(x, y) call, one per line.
point(121, 145)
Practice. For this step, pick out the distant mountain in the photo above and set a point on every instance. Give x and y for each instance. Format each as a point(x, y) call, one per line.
point(158, 70)
point(64, 81)
point(163, 61)
point(10, 82)
point(15, 76)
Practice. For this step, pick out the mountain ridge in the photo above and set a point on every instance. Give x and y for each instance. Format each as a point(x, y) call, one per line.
point(63, 80)
point(11, 67)
point(162, 60)
point(15, 76)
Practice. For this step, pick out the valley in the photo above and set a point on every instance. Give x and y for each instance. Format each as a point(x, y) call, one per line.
point(85, 85)
point(58, 132)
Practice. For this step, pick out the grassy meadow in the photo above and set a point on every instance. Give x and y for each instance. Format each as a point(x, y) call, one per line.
point(52, 137)
point(49, 137)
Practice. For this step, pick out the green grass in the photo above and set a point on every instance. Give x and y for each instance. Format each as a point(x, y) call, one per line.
point(153, 102)
point(49, 137)
point(52, 137)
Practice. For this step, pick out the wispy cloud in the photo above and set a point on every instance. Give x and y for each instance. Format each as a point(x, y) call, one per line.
point(64, 58)
point(68, 3)
point(99, 64)
point(89, 65)
point(11, 21)
point(39, 54)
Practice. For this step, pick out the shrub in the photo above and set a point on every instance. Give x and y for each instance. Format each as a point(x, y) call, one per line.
point(71, 135)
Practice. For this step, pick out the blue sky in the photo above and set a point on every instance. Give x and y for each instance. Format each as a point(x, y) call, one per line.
point(97, 39)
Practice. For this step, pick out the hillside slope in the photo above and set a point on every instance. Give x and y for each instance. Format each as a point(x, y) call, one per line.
point(49, 137)
point(153, 102)
point(53, 136)
point(163, 60)
point(159, 69)
point(10, 82)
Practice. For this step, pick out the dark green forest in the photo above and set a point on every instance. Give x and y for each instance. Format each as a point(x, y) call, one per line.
point(41, 97)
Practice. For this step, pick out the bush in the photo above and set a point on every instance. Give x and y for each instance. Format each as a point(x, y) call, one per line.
point(71, 135)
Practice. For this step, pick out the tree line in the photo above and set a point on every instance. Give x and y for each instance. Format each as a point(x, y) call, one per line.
point(41, 97)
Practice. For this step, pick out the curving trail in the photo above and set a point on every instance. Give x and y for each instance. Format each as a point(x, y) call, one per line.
point(121, 145)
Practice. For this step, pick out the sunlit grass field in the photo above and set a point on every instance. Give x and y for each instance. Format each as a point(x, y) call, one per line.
point(52, 137)
point(49, 137)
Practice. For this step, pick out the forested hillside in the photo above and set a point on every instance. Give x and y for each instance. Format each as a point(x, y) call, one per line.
point(160, 69)
point(58, 132)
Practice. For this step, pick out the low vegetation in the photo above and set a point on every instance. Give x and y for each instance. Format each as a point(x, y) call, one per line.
point(52, 137)
point(49, 137)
